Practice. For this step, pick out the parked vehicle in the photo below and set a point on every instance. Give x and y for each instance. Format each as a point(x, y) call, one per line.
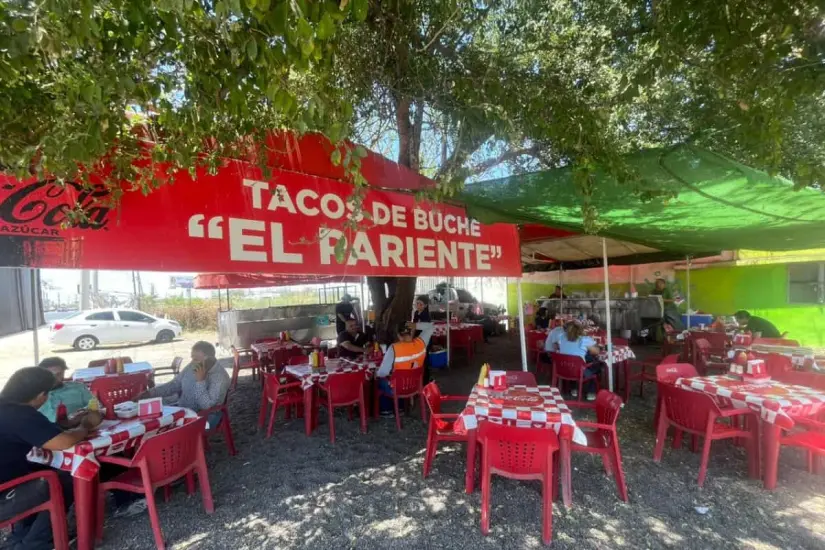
point(86, 330)
point(462, 304)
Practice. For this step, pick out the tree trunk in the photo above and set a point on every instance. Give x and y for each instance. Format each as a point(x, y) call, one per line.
point(392, 297)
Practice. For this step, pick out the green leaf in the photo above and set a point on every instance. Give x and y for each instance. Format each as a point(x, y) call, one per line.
point(340, 249)
point(19, 25)
point(307, 46)
point(252, 49)
point(335, 157)
point(360, 8)
point(326, 27)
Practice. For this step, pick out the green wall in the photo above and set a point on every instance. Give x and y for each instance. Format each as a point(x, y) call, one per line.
point(760, 289)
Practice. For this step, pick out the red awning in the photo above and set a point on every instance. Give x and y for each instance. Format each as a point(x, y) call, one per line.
point(261, 280)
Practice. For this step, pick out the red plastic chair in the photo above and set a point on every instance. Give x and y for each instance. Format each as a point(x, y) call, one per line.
point(224, 425)
point(244, 359)
point(702, 358)
point(112, 390)
point(442, 425)
point(518, 453)
point(802, 378)
point(777, 342)
point(647, 372)
point(278, 394)
point(776, 363)
point(102, 362)
point(462, 339)
point(668, 373)
point(173, 368)
point(345, 389)
point(158, 462)
point(543, 364)
point(571, 367)
point(520, 378)
point(297, 360)
point(718, 343)
point(811, 440)
point(406, 383)
point(55, 506)
point(603, 439)
point(697, 414)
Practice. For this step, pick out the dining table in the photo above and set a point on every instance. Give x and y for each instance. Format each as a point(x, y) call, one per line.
point(112, 437)
point(310, 377)
point(523, 406)
point(776, 403)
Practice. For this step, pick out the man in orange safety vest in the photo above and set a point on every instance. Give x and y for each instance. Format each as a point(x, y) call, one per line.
point(408, 352)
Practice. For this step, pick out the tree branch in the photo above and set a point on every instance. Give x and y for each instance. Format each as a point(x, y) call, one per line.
point(512, 154)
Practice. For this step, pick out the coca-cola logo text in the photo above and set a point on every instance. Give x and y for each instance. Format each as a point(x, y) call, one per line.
point(41, 207)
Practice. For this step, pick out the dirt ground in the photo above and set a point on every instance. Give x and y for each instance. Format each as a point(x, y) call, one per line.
point(17, 351)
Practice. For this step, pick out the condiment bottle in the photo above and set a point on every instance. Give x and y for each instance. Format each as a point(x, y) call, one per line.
point(62, 414)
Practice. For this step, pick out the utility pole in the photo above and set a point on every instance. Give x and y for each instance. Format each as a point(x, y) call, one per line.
point(95, 290)
point(85, 303)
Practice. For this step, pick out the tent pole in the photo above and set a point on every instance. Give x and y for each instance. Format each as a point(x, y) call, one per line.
point(522, 334)
point(449, 293)
point(228, 304)
point(607, 316)
point(481, 281)
point(220, 300)
point(561, 284)
point(35, 316)
point(688, 292)
point(363, 305)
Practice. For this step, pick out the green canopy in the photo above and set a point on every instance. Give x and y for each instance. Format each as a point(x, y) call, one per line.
point(719, 204)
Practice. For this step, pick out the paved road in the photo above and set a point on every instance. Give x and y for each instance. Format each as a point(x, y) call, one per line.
point(17, 351)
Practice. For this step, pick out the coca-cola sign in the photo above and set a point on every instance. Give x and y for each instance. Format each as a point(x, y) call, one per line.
point(41, 208)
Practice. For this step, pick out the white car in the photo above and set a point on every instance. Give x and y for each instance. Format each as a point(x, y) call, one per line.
point(88, 329)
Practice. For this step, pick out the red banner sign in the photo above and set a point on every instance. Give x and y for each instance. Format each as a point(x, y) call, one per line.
point(236, 222)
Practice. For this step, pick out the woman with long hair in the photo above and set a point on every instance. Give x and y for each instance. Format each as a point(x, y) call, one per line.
point(576, 342)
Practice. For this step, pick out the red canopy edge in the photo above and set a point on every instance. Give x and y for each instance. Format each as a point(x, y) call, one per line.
point(259, 280)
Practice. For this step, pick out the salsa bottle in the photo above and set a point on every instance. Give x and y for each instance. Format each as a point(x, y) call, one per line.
point(62, 415)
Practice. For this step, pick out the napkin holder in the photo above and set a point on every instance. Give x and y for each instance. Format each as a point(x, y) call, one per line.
point(150, 408)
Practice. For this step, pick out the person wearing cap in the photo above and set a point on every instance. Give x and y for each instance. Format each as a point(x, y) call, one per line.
point(408, 352)
point(73, 395)
point(344, 311)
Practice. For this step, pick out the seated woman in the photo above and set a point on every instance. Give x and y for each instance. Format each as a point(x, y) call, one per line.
point(422, 309)
point(542, 319)
point(575, 342)
point(201, 385)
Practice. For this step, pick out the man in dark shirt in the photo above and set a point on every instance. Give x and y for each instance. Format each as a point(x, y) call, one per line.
point(352, 343)
point(757, 324)
point(22, 427)
point(344, 311)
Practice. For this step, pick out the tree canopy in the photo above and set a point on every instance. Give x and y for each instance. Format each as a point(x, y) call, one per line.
point(453, 88)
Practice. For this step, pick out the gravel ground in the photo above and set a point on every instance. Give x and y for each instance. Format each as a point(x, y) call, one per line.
point(367, 492)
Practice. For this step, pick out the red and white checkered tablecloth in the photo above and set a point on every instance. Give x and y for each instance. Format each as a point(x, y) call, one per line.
point(262, 348)
point(620, 353)
point(308, 377)
point(801, 357)
point(441, 328)
point(774, 401)
point(549, 412)
point(81, 459)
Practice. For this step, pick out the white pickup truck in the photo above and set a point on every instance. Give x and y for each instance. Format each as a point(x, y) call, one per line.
point(462, 304)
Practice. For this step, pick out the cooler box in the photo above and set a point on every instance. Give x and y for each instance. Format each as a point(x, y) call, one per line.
point(696, 320)
point(437, 359)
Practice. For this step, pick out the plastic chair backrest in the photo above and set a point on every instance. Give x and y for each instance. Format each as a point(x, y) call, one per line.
point(813, 380)
point(520, 378)
point(568, 366)
point(171, 453)
point(670, 359)
point(272, 384)
point(406, 381)
point(102, 362)
point(608, 406)
point(116, 389)
point(716, 340)
point(298, 360)
point(345, 387)
point(461, 337)
point(777, 342)
point(267, 339)
point(776, 363)
point(517, 451)
point(687, 408)
point(668, 373)
point(432, 395)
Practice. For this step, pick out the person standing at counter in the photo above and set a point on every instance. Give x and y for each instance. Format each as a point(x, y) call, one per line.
point(755, 324)
point(670, 315)
point(344, 311)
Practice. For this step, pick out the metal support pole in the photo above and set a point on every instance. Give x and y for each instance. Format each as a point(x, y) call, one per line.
point(607, 316)
point(228, 303)
point(482, 296)
point(35, 317)
point(688, 292)
point(561, 284)
point(363, 304)
point(522, 333)
point(449, 288)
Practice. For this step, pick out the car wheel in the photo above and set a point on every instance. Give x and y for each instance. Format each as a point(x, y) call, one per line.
point(165, 335)
point(86, 343)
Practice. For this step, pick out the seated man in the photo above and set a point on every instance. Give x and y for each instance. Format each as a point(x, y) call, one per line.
point(352, 343)
point(757, 324)
point(74, 395)
point(406, 353)
point(21, 428)
point(201, 385)
point(542, 319)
